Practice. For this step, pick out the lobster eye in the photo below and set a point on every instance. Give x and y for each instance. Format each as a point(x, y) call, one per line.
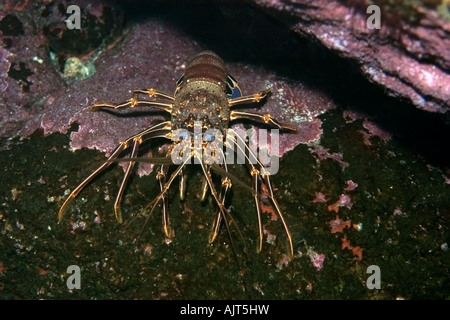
point(209, 137)
point(233, 90)
point(182, 134)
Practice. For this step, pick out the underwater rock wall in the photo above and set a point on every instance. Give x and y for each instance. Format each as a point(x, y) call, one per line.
point(408, 53)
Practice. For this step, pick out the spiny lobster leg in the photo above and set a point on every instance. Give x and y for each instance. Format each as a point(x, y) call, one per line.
point(255, 186)
point(136, 142)
point(162, 196)
point(266, 118)
point(225, 188)
point(255, 172)
point(159, 130)
point(254, 98)
point(122, 146)
point(268, 185)
point(135, 101)
point(161, 176)
point(182, 185)
point(153, 93)
point(256, 197)
point(204, 189)
point(219, 202)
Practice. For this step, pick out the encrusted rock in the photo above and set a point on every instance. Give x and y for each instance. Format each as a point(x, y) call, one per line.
point(409, 54)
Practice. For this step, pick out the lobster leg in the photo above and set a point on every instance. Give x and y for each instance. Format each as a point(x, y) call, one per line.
point(256, 174)
point(266, 118)
point(135, 101)
point(159, 130)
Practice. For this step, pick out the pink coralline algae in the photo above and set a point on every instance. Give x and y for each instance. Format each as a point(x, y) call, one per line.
point(344, 201)
point(338, 225)
point(323, 153)
point(269, 210)
point(351, 186)
point(415, 65)
point(371, 129)
point(317, 259)
point(29, 82)
point(320, 197)
point(356, 250)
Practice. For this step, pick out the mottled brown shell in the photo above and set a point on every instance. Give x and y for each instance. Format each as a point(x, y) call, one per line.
point(201, 94)
point(207, 66)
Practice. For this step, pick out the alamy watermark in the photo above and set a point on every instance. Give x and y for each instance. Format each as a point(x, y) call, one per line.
point(74, 20)
point(74, 280)
point(241, 146)
point(374, 280)
point(374, 21)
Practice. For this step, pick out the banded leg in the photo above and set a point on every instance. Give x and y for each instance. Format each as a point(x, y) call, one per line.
point(122, 146)
point(159, 130)
point(256, 175)
point(117, 211)
point(254, 98)
point(204, 189)
point(162, 195)
point(225, 189)
point(256, 197)
point(135, 101)
point(255, 186)
point(266, 118)
point(182, 185)
point(268, 185)
point(161, 176)
point(220, 203)
point(153, 93)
